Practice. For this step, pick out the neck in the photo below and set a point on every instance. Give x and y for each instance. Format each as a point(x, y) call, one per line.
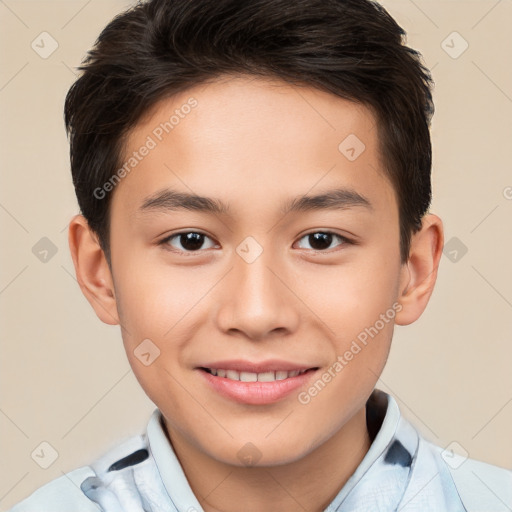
point(309, 483)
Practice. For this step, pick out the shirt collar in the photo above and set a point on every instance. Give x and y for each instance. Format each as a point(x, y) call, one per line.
point(169, 467)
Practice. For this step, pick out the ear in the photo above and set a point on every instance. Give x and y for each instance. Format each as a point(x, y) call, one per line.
point(92, 270)
point(418, 276)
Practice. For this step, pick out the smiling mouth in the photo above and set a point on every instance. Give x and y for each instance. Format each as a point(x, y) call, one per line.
point(270, 376)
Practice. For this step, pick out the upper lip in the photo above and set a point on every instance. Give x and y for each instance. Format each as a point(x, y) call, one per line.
point(271, 365)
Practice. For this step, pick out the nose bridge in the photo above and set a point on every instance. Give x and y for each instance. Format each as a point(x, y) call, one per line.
point(254, 282)
point(256, 302)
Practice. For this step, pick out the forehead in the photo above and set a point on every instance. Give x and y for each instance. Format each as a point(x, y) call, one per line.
point(250, 140)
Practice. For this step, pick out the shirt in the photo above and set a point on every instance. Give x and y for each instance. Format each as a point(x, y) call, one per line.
point(402, 471)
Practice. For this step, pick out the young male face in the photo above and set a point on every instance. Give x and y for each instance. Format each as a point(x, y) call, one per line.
point(256, 295)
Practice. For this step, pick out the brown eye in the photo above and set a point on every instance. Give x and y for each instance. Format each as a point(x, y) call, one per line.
point(322, 240)
point(190, 241)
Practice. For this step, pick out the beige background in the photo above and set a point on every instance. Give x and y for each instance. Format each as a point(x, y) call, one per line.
point(65, 378)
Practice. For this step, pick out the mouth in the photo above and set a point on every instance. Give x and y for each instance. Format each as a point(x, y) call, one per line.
point(256, 384)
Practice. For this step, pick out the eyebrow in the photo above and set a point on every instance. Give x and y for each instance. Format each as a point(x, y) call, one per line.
point(172, 200)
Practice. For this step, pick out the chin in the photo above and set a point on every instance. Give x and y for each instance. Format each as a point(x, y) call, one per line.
point(264, 453)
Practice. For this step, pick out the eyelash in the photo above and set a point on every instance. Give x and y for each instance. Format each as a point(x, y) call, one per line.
point(165, 241)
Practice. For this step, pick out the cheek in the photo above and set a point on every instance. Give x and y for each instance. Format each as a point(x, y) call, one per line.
point(154, 298)
point(161, 310)
point(360, 308)
point(350, 296)
point(357, 302)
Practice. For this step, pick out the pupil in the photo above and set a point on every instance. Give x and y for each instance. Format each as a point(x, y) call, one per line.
point(191, 241)
point(320, 240)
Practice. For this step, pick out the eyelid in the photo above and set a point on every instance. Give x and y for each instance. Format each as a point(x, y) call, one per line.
point(167, 246)
point(345, 240)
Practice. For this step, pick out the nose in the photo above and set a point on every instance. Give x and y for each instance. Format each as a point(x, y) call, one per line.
point(257, 299)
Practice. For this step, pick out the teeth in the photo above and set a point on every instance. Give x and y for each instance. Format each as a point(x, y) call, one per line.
point(233, 375)
point(266, 377)
point(255, 377)
point(248, 377)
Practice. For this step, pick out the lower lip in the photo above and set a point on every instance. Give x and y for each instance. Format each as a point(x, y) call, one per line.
point(256, 393)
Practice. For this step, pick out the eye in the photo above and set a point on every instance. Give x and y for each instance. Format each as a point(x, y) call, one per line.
point(190, 241)
point(321, 240)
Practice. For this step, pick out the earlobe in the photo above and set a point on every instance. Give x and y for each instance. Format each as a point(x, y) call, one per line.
point(420, 272)
point(92, 270)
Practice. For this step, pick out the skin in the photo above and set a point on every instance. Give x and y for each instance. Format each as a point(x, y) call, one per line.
point(255, 144)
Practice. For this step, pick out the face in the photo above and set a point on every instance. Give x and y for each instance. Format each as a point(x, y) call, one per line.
point(285, 275)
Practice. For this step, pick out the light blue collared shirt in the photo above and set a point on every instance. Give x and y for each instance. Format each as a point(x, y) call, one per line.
point(401, 472)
